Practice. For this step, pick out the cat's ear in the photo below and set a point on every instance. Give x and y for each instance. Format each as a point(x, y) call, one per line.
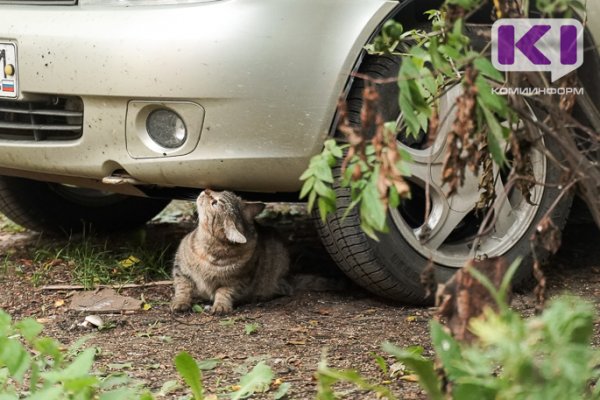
point(232, 233)
point(252, 209)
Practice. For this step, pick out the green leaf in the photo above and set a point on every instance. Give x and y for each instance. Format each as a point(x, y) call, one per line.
point(250, 329)
point(429, 82)
point(119, 394)
point(327, 377)
point(495, 102)
point(325, 191)
point(372, 211)
point(49, 347)
point(507, 279)
point(394, 198)
point(189, 371)
point(450, 52)
point(118, 366)
point(227, 322)
point(569, 320)
point(5, 323)
point(448, 351)
point(381, 363)
point(53, 348)
point(50, 393)
point(413, 126)
point(487, 69)
point(421, 366)
point(333, 147)
point(351, 207)
point(29, 328)
point(369, 231)
point(113, 380)
point(257, 380)
point(34, 376)
point(322, 171)
point(168, 387)
point(208, 364)
point(495, 135)
point(146, 396)
point(307, 174)
point(80, 367)
point(198, 309)
point(438, 62)
point(311, 200)
point(471, 391)
point(281, 390)
point(15, 357)
point(78, 385)
point(391, 126)
point(326, 207)
point(307, 187)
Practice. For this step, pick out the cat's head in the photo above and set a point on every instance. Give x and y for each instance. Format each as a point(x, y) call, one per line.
point(226, 217)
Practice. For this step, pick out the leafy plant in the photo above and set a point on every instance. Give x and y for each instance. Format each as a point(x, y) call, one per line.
point(328, 377)
point(545, 357)
point(91, 261)
point(189, 371)
point(434, 61)
point(256, 381)
point(36, 367)
point(251, 329)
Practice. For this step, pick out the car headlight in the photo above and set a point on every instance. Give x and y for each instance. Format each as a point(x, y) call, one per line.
point(129, 3)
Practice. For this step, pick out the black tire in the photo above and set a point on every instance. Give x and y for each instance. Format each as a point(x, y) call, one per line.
point(391, 268)
point(50, 207)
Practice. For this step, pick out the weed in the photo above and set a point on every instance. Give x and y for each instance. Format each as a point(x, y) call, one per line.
point(328, 377)
point(545, 357)
point(251, 329)
point(6, 225)
point(208, 364)
point(90, 262)
point(40, 368)
point(256, 381)
point(227, 322)
point(6, 263)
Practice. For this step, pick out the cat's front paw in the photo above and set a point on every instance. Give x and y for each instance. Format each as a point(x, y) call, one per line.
point(221, 309)
point(180, 306)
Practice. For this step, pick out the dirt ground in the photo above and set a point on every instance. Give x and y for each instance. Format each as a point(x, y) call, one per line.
point(292, 334)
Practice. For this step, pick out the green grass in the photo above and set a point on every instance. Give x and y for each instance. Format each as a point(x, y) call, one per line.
point(6, 225)
point(90, 261)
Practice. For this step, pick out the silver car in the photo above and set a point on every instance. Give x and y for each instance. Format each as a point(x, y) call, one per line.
point(110, 108)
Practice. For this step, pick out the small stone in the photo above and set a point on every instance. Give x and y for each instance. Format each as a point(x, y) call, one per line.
point(93, 320)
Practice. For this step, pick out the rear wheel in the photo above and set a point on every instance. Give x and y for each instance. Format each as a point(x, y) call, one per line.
point(448, 236)
point(43, 206)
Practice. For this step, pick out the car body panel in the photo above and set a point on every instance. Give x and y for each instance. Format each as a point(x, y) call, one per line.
point(268, 74)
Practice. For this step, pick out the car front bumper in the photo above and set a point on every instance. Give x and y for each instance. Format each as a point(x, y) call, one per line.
point(266, 74)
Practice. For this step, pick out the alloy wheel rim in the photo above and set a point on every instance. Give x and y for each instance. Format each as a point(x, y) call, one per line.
point(439, 237)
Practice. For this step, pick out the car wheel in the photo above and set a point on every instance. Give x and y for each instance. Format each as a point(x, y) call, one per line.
point(392, 266)
point(51, 207)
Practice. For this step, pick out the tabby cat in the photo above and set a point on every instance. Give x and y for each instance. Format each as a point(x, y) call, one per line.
point(229, 259)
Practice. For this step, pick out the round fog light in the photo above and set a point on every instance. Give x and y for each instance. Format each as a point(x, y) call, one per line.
point(166, 128)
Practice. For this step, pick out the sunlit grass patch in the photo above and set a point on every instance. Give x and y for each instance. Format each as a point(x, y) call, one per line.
point(90, 261)
point(6, 225)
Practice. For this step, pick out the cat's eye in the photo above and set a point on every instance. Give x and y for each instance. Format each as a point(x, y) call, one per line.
point(214, 203)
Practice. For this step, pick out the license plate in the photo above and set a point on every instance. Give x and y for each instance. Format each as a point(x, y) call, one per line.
point(8, 74)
